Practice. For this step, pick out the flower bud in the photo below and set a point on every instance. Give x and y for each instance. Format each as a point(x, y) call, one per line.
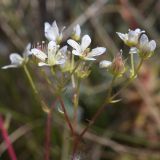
point(117, 68)
point(146, 47)
point(76, 35)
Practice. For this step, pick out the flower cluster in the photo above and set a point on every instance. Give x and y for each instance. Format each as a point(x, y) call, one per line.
point(52, 53)
point(139, 43)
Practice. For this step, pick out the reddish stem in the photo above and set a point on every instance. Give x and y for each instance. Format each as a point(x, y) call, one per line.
point(66, 116)
point(5, 136)
point(48, 133)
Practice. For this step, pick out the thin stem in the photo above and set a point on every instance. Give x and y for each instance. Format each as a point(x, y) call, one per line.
point(5, 136)
point(54, 74)
point(111, 87)
point(132, 65)
point(43, 104)
point(30, 79)
point(75, 102)
point(78, 63)
point(77, 139)
point(139, 66)
point(130, 80)
point(66, 116)
point(96, 115)
point(48, 133)
point(100, 110)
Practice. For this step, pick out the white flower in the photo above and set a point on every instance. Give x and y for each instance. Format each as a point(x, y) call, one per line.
point(82, 49)
point(52, 32)
point(105, 64)
point(53, 55)
point(131, 38)
point(76, 35)
point(17, 60)
point(146, 47)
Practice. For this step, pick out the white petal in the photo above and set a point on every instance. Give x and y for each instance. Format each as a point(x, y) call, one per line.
point(86, 41)
point(39, 54)
point(96, 51)
point(63, 50)
point(10, 66)
point(50, 32)
point(52, 47)
point(16, 59)
point(46, 26)
point(139, 31)
point(122, 36)
point(75, 52)
point(27, 51)
point(143, 40)
point(74, 44)
point(89, 58)
point(60, 58)
point(55, 28)
point(40, 64)
point(77, 30)
point(104, 64)
point(152, 45)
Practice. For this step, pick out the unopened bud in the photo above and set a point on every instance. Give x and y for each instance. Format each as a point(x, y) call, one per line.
point(117, 68)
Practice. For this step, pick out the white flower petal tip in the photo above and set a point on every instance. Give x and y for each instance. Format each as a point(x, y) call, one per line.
point(105, 64)
point(39, 54)
point(46, 26)
point(74, 44)
point(86, 41)
point(63, 50)
point(9, 66)
point(77, 30)
point(89, 58)
point(40, 64)
point(121, 36)
point(152, 45)
point(27, 52)
point(97, 51)
point(143, 39)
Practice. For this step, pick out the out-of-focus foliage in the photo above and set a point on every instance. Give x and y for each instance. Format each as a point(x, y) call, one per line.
point(128, 130)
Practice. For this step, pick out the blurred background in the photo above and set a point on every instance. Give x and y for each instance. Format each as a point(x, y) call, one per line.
point(128, 130)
